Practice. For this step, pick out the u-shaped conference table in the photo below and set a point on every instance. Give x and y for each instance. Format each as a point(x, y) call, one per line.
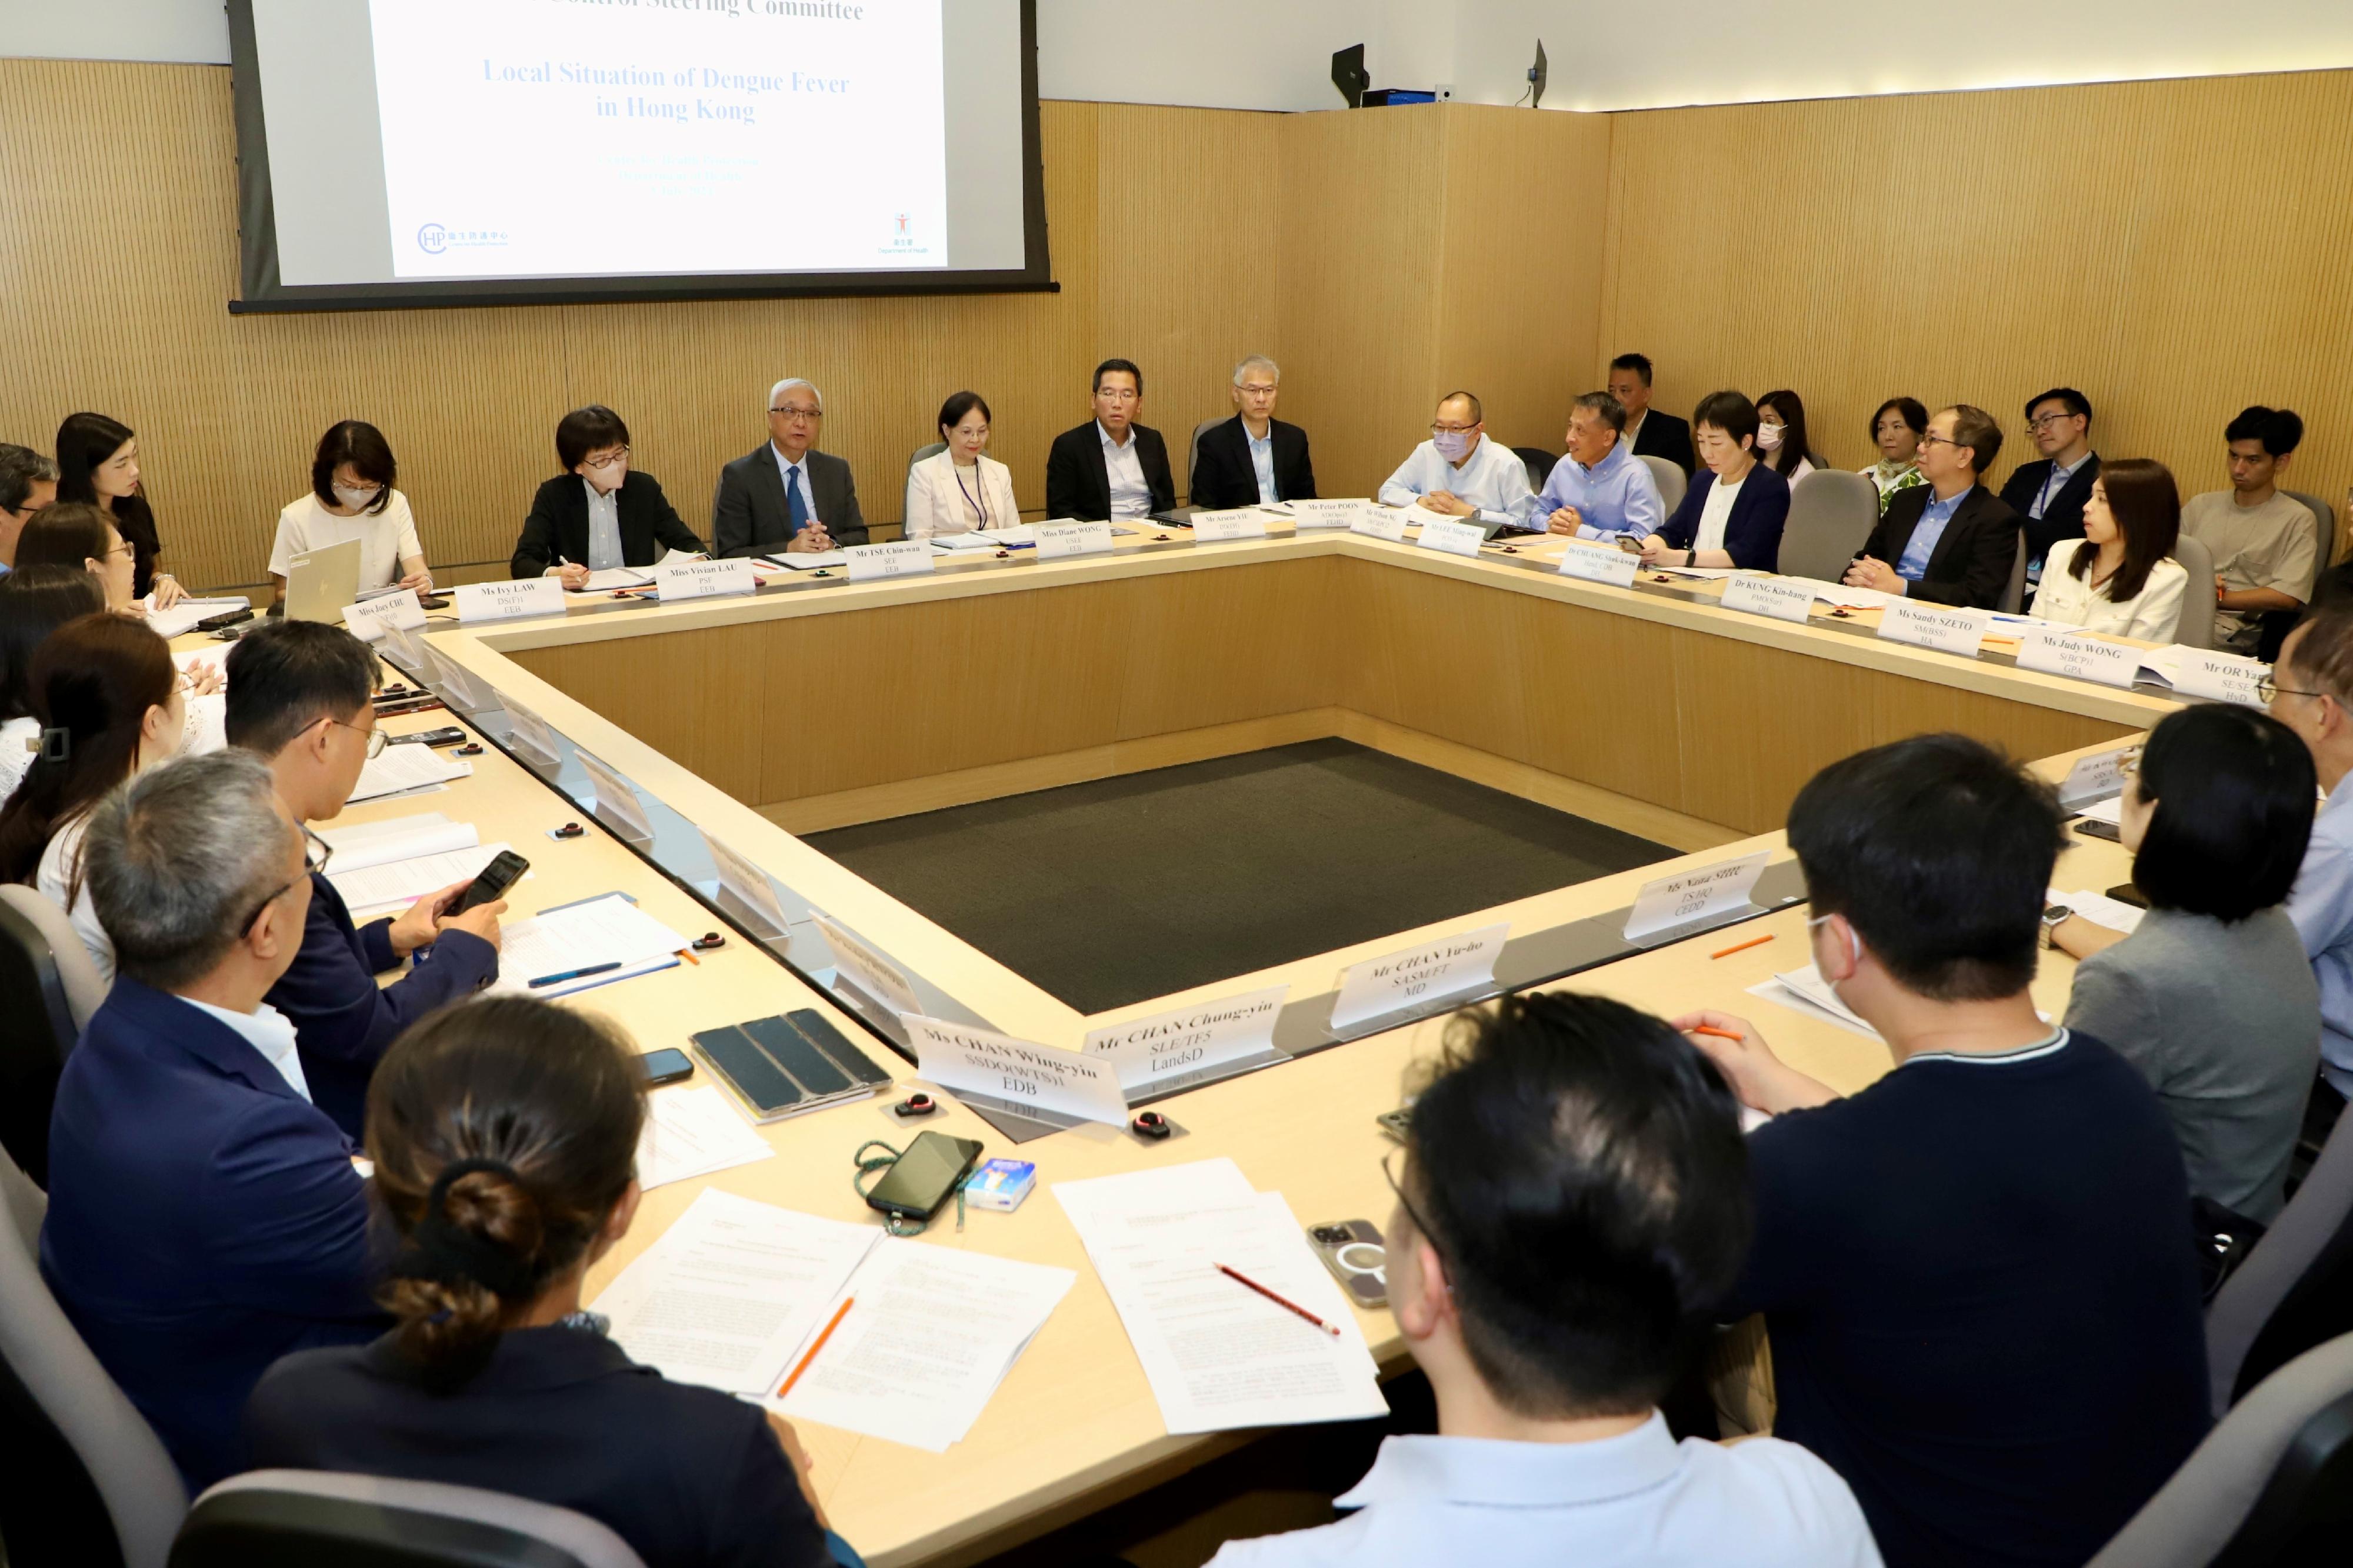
point(818, 702)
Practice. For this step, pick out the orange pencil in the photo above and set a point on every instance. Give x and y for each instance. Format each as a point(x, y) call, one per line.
point(690, 957)
point(1742, 946)
point(838, 1314)
point(1711, 1029)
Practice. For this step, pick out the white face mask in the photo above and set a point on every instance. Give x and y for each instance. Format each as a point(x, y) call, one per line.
point(1452, 444)
point(1768, 437)
point(350, 500)
point(608, 479)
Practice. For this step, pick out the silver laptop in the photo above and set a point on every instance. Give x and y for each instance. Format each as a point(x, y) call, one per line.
point(320, 582)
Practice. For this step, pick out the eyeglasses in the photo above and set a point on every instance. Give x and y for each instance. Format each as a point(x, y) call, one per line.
point(2046, 421)
point(601, 464)
point(1252, 390)
point(1118, 393)
point(1406, 1203)
point(1930, 438)
point(2271, 690)
point(793, 411)
point(1452, 429)
point(316, 853)
point(376, 741)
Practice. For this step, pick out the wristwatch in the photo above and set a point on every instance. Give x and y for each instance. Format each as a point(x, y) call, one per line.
point(2054, 915)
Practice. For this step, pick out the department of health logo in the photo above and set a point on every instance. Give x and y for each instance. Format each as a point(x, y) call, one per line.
point(433, 240)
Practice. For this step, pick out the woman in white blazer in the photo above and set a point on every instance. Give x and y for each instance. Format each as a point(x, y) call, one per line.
point(2121, 577)
point(962, 487)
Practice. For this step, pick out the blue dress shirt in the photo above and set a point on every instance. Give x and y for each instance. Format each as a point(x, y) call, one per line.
point(1261, 451)
point(2322, 908)
point(1614, 496)
point(1922, 543)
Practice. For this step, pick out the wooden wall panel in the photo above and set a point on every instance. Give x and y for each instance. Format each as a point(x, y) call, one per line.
point(2171, 247)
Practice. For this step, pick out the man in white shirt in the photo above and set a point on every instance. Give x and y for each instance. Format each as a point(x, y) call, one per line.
point(1571, 1201)
point(1458, 472)
point(205, 1217)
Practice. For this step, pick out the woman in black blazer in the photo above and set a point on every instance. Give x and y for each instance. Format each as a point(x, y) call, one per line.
point(593, 445)
point(1749, 532)
point(504, 1134)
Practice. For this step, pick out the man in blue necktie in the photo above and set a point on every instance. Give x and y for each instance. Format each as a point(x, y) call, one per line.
point(788, 495)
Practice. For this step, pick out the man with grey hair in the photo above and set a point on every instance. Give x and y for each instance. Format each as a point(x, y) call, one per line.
point(1601, 490)
point(785, 495)
point(1252, 458)
point(205, 1217)
point(28, 482)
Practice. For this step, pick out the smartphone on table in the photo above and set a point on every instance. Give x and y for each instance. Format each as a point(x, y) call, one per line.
point(1353, 1251)
point(925, 1177)
point(668, 1065)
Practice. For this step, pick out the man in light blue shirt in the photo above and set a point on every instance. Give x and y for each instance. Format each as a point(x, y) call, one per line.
point(1913, 564)
point(1601, 490)
point(2311, 692)
point(1459, 472)
point(1572, 1199)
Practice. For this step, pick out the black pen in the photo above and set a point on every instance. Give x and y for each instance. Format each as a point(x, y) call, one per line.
point(574, 974)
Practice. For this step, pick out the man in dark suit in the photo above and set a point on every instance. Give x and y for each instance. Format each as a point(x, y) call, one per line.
point(205, 1217)
point(1253, 456)
point(298, 699)
point(599, 512)
point(1649, 433)
point(786, 495)
point(1111, 467)
point(2049, 494)
point(1951, 541)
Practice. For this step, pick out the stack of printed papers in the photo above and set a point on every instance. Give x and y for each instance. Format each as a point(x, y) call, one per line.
point(183, 617)
point(1805, 991)
point(1218, 1354)
point(693, 1132)
point(564, 941)
point(405, 769)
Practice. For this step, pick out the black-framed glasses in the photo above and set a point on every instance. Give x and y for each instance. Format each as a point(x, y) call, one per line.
point(316, 853)
point(2271, 690)
point(1452, 429)
point(1930, 438)
point(618, 455)
point(791, 412)
point(2044, 421)
point(1406, 1203)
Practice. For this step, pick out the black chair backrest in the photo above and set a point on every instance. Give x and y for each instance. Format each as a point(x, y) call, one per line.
point(2306, 1509)
point(1539, 465)
point(37, 1034)
point(50, 1509)
point(283, 1530)
point(2316, 1309)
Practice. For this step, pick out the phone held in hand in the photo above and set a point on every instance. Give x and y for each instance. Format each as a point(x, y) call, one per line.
point(491, 885)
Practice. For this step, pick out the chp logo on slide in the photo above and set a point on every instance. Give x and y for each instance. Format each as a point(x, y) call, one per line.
point(432, 239)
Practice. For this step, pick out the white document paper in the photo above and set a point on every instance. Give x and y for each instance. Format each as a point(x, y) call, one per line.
point(2101, 773)
point(899, 558)
point(867, 969)
point(398, 770)
point(1307, 515)
point(1417, 977)
point(505, 601)
point(1781, 598)
point(1235, 522)
point(1145, 1050)
point(1805, 991)
point(2101, 909)
point(728, 1294)
point(611, 580)
point(693, 579)
point(692, 1132)
point(1452, 537)
point(1056, 540)
point(808, 560)
point(1599, 564)
point(1691, 895)
point(368, 890)
point(1703, 574)
point(1946, 628)
point(1218, 1354)
point(362, 844)
point(181, 618)
point(614, 795)
point(1381, 523)
point(2110, 811)
point(1018, 1072)
point(529, 731)
point(2081, 657)
point(1839, 596)
point(930, 1334)
point(747, 882)
point(609, 929)
point(396, 611)
point(2222, 677)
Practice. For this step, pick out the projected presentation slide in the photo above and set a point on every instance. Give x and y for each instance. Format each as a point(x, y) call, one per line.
point(524, 138)
point(474, 152)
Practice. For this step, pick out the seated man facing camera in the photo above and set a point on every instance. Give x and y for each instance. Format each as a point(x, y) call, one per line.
point(1571, 1201)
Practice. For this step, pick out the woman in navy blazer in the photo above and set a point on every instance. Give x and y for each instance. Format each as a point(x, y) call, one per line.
point(504, 1134)
point(1748, 535)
